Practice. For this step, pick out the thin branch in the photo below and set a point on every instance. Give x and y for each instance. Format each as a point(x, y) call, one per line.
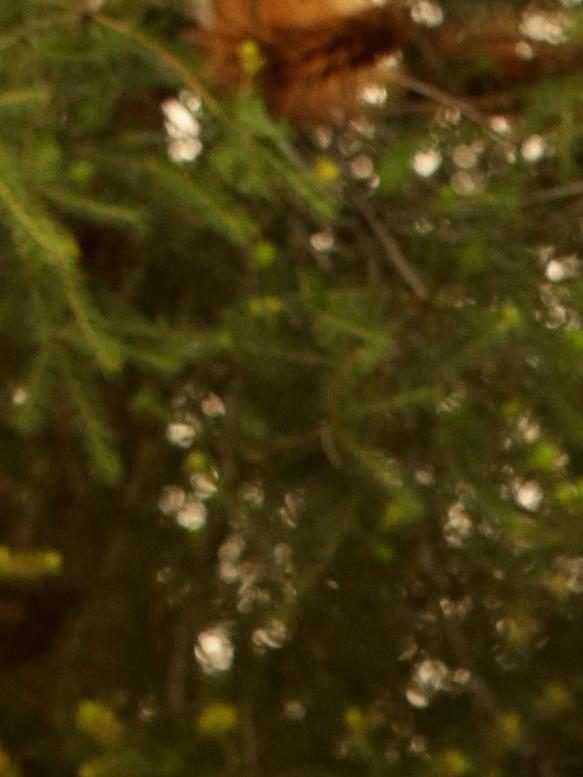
point(328, 446)
point(500, 101)
point(448, 100)
point(166, 57)
point(244, 133)
point(393, 251)
point(561, 192)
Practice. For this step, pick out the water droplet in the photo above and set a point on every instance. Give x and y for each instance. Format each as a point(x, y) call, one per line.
point(427, 13)
point(181, 434)
point(214, 649)
point(417, 698)
point(213, 406)
point(192, 516)
point(171, 499)
point(426, 163)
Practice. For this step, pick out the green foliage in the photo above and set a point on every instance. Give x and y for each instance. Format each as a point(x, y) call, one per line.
point(290, 421)
point(99, 723)
point(29, 565)
point(216, 720)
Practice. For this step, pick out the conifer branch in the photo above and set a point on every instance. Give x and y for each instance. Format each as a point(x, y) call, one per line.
point(166, 58)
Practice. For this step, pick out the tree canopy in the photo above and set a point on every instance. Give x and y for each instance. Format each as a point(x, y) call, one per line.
point(291, 421)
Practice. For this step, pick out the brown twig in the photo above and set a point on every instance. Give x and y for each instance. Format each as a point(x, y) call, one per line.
point(561, 192)
point(392, 250)
point(440, 97)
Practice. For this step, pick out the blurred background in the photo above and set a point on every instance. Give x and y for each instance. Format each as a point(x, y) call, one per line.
point(291, 429)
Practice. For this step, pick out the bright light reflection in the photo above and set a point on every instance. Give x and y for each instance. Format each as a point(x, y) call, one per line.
point(544, 27)
point(192, 516)
point(427, 13)
point(533, 149)
point(183, 127)
point(214, 650)
point(426, 163)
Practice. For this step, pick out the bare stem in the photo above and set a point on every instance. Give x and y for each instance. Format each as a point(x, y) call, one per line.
point(393, 251)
